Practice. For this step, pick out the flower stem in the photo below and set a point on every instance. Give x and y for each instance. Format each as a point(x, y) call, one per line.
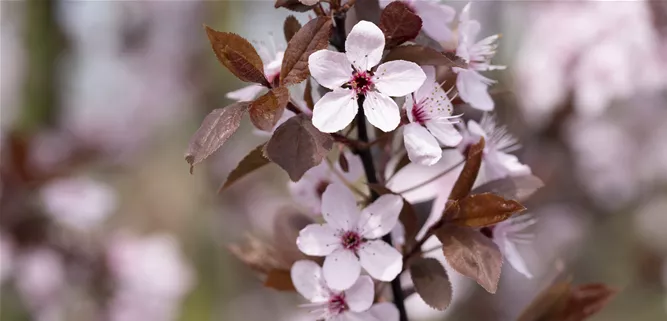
point(371, 176)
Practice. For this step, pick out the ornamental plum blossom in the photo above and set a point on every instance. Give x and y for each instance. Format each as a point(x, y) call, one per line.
point(309, 189)
point(435, 17)
point(350, 76)
point(350, 238)
point(471, 85)
point(328, 304)
point(429, 111)
point(496, 162)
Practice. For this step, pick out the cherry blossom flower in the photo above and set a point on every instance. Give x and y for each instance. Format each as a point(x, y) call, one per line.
point(429, 107)
point(435, 17)
point(471, 85)
point(40, 275)
point(355, 303)
point(507, 234)
point(496, 162)
point(350, 238)
point(78, 202)
point(349, 75)
point(309, 189)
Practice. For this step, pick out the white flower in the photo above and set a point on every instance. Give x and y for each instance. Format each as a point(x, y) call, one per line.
point(471, 85)
point(272, 64)
point(435, 17)
point(350, 238)
point(349, 75)
point(309, 189)
point(430, 107)
point(328, 304)
point(507, 234)
point(81, 203)
point(309, 2)
point(496, 162)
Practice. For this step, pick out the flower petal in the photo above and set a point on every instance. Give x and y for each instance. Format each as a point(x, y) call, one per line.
point(381, 111)
point(341, 269)
point(421, 146)
point(380, 217)
point(445, 132)
point(408, 105)
point(360, 296)
point(380, 260)
point(308, 280)
point(318, 240)
point(339, 207)
point(331, 69)
point(436, 18)
point(473, 89)
point(364, 45)
point(335, 110)
point(398, 78)
point(384, 311)
point(246, 93)
point(514, 257)
point(477, 130)
point(429, 86)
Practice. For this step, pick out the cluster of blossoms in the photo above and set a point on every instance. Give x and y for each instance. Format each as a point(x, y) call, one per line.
point(385, 74)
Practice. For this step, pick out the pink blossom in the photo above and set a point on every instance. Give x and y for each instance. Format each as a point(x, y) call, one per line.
point(350, 239)
point(350, 75)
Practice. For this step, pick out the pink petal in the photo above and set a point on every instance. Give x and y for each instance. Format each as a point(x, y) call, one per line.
point(318, 240)
point(380, 260)
point(477, 130)
point(436, 18)
point(445, 132)
point(513, 256)
point(473, 89)
point(335, 110)
point(380, 217)
point(421, 146)
point(381, 111)
point(341, 269)
point(339, 207)
point(361, 295)
point(364, 45)
point(308, 281)
point(331, 69)
point(246, 93)
point(429, 85)
point(408, 105)
point(398, 78)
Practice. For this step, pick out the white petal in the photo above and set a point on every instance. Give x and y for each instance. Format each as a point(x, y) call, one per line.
point(435, 18)
point(361, 295)
point(331, 69)
point(341, 269)
point(408, 105)
point(445, 132)
point(355, 167)
point(421, 146)
point(380, 217)
point(384, 311)
point(309, 2)
point(429, 85)
point(364, 45)
point(475, 129)
point(318, 240)
point(380, 260)
point(339, 207)
point(512, 164)
point(513, 256)
point(473, 89)
point(335, 110)
point(308, 280)
point(398, 78)
point(381, 111)
point(246, 93)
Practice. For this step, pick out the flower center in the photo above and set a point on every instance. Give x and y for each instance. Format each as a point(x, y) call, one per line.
point(419, 114)
point(361, 82)
point(351, 240)
point(337, 304)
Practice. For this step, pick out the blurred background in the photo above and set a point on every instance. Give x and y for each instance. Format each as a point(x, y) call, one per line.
point(100, 219)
